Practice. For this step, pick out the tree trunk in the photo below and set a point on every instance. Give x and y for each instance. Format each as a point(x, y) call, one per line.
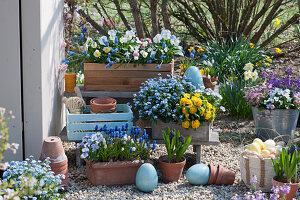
point(165, 14)
point(153, 8)
point(121, 14)
point(136, 16)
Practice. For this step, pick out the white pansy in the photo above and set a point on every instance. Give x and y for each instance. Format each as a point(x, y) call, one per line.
point(102, 39)
point(144, 54)
point(133, 148)
point(112, 32)
point(88, 40)
point(166, 34)
point(254, 75)
point(112, 37)
point(105, 146)
point(129, 34)
point(157, 38)
point(94, 44)
point(145, 43)
point(106, 49)
point(132, 141)
point(248, 67)
point(123, 40)
point(97, 53)
point(149, 49)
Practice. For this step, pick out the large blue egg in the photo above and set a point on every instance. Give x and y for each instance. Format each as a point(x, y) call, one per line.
point(194, 76)
point(146, 178)
point(198, 174)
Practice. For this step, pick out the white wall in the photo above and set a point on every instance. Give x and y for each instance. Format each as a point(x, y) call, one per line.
point(42, 34)
point(10, 73)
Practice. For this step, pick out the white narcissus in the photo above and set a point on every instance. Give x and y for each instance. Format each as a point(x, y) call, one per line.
point(248, 75)
point(248, 67)
point(254, 75)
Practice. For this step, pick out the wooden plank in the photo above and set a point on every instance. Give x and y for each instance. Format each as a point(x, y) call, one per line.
point(75, 127)
point(130, 66)
point(115, 81)
point(121, 74)
point(113, 88)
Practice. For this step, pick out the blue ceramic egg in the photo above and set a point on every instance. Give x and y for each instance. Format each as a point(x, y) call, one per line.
point(194, 76)
point(198, 174)
point(146, 178)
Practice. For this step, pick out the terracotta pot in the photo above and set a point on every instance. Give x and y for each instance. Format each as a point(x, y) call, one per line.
point(213, 174)
point(70, 82)
point(112, 173)
point(53, 148)
point(208, 83)
point(293, 188)
point(103, 105)
point(171, 171)
point(225, 176)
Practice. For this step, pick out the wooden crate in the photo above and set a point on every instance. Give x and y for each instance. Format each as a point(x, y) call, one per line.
point(122, 78)
point(79, 125)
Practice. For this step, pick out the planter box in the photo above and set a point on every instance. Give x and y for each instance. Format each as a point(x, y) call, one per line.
point(112, 173)
point(122, 78)
point(279, 122)
point(80, 125)
point(200, 135)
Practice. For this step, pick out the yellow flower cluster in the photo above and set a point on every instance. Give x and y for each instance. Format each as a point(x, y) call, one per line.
point(196, 109)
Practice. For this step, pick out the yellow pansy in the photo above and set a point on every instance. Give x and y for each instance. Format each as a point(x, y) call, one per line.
point(187, 95)
point(207, 115)
point(195, 124)
point(202, 72)
point(106, 49)
point(197, 95)
point(97, 53)
point(278, 50)
point(209, 106)
point(251, 45)
point(198, 102)
point(190, 49)
point(277, 21)
point(193, 110)
point(186, 124)
point(200, 49)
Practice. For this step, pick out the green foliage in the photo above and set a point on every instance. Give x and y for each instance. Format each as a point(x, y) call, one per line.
point(230, 57)
point(233, 98)
point(175, 144)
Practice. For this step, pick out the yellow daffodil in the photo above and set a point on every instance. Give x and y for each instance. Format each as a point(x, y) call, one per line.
point(97, 53)
point(197, 95)
point(278, 50)
point(200, 49)
point(190, 49)
point(106, 49)
point(268, 59)
point(248, 75)
point(209, 106)
point(187, 95)
point(251, 45)
point(202, 72)
point(193, 110)
point(268, 64)
point(184, 110)
point(207, 115)
point(195, 124)
point(181, 66)
point(186, 124)
point(198, 102)
point(277, 21)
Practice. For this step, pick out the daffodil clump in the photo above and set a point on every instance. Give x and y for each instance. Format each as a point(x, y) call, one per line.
point(195, 109)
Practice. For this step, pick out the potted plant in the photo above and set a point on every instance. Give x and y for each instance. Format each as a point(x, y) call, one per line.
point(285, 167)
point(275, 105)
point(172, 164)
point(210, 77)
point(113, 156)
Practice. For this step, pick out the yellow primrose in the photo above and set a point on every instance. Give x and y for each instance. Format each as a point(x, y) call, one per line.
point(200, 49)
point(202, 72)
point(186, 124)
point(106, 49)
point(183, 101)
point(278, 50)
point(195, 124)
point(197, 95)
point(187, 95)
point(194, 98)
point(193, 110)
point(184, 110)
point(198, 102)
point(203, 110)
point(207, 115)
point(190, 49)
point(97, 53)
point(277, 21)
point(181, 66)
point(189, 103)
point(187, 116)
point(251, 45)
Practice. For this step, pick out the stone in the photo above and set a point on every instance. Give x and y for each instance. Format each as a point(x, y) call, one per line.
point(194, 76)
point(146, 178)
point(198, 174)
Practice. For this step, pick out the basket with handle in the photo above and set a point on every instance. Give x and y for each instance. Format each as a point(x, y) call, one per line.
point(253, 164)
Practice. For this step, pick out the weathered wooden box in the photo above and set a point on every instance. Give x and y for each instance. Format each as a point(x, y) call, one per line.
point(200, 135)
point(122, 77)
point(79, 125)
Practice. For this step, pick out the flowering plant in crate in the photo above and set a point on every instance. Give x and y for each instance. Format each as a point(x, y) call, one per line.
point(159, 97)
point(30, 179)
point(115, 144)
point(127, 48)
point(195, 109)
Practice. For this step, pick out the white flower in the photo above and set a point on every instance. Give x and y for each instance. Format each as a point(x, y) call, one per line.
point(132, 141)
point(144, 54)
point(112, 32)
point(94, 45)
point(123, 40)
point(248, 67)
point(122, 149)
point(105, 146)
point(102, 39)
point(222, 108)
point(254, 75)
point(276, 98)
point(88, 40)
point(104, 141)
point(166, 34)
point(157, 38)
point(85, 149)
point(133, 148)
point(129, 34)
point(149, 49)
point(248, 75)
point(97, 53)
point(106, 49)
point(112, 37)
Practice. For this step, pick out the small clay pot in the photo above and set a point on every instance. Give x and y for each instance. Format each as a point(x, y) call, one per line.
point(171, 171)
point(70, 82)
point(225, 176)
point(208, 83)
point(293, 188)
point(213, 174)
point(103, 105)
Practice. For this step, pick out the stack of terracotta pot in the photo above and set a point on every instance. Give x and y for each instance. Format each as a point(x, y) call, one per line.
point(53, 148)
point(103, 105)
point(220, 175)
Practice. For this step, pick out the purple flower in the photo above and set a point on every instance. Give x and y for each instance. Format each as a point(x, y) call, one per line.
point(285, 189)
point(253, 180)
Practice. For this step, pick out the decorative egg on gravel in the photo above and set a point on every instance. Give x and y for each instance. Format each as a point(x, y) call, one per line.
point(146, 178)
point(198, 174)
point(254, 147)
point(259, 142)
point(194, 76)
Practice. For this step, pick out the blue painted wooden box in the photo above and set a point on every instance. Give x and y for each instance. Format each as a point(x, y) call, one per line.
point(80, 125)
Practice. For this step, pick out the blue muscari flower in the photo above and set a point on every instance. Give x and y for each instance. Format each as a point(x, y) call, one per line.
point(108, 55)
point(87, 55)
point(105, 127)
point(71, 53)
point(163, 45)
point(81, 36)
point(123, 128)
point(204, 57)
point(154, 145)
point(111, 62)
point(148, 144)
point(127, 57)
point(141, 140)
point(116, 40)
point(83, 29)
point(130, 150)
point(96, 128)
point(192, 55)
point(114, 50)
point(117, 60)
point(193, 51)
point(116, 128)
point(117, 134)
point(149, 61)
point(132, 130)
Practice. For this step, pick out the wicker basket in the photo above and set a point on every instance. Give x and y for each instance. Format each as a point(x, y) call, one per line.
point(252, 163)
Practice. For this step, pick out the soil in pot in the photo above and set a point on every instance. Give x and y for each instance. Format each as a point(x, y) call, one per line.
point(293, 188)
point(103, 105)
point(171, 171)
point(208, 83)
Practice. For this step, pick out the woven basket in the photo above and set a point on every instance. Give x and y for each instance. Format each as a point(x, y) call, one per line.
point(252, 163)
